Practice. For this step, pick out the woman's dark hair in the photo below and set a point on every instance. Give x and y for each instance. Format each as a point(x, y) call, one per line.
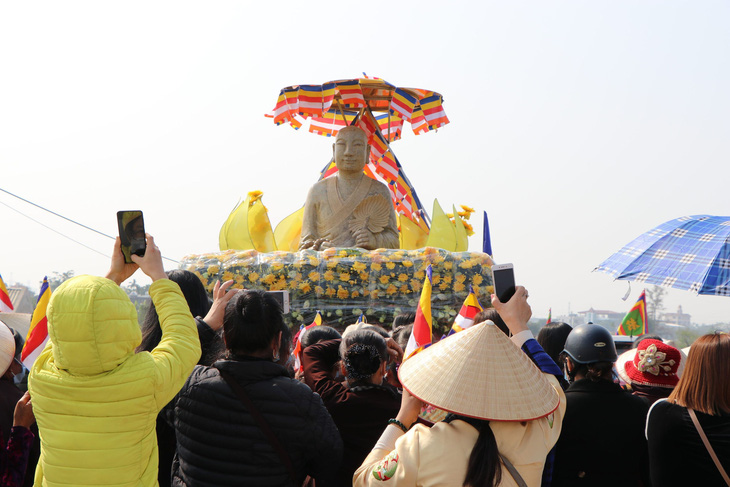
point(318, 334)
point(363, 352)
point(403, 319)
point(196, 297)
point(492, 315)
point(402, 334)
point(251, 321)
point(484, 468)
point(551, 338)
point(595, 372)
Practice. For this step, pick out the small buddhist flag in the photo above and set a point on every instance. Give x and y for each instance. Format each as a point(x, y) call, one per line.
point(466, 315)
point(423, 324)
point(37, 336)
point(298, 341)
point(634, 323)
point(6, 305)
point(550, 316)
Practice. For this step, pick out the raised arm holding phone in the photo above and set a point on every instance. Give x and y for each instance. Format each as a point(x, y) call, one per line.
point(94, 398)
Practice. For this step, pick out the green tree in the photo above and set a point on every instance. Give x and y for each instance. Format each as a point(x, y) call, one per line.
point(685, 337)
point(654, 302)
point(59, 278)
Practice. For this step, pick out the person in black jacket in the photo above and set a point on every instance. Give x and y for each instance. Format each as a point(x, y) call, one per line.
point(602, 442)
point(220, 440)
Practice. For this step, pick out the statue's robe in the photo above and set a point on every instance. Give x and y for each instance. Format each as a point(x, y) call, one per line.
point(327, 215)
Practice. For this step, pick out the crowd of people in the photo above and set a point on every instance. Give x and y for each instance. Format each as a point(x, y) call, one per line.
point(213, 394)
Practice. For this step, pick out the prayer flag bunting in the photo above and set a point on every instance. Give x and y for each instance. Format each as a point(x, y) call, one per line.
point(310, 100)
point(418, 122)
point(390, 126)
point(423, 324)
point(328, 96)
point(434, 112)
point(634, 323)
point(351, 94)
point(402, 104)
point(387, 167)
point(6, 305)
point(37, 336)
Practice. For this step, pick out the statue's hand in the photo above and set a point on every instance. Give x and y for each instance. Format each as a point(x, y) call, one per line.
point(364, 239)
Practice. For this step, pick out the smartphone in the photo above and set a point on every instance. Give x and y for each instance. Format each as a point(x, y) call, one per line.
point(131, 233)
point(503, 277)
point(282, 297)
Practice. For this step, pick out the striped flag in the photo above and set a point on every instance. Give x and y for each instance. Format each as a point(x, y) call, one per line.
point(418, 122)
point(634, 323)
point(298, 341)
point(466, 315)
point(328, 95)
point(423, 325)
point(286, 106)
point(37, 336)
point(402, 104)
point(550, 316)
point(434, 112)
point(391, 131)
point(351, 94)
point(368, 125)
point(310, 100)
point(378, 147)
point(5, 304)
point(387, 167)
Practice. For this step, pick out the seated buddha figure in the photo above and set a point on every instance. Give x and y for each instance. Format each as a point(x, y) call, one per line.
point(349, 209)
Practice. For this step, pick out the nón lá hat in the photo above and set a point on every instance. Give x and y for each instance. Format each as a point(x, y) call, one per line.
point(480, 373)
point(7, 347)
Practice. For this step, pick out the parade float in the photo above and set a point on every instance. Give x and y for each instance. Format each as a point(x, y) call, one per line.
point(354, 281)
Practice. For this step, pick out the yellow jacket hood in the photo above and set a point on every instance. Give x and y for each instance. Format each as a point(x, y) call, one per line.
point(92, 326)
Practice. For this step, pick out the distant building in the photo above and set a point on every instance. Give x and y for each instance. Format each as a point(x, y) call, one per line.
point(601, 316)
point(678, 319)
point(22, 299)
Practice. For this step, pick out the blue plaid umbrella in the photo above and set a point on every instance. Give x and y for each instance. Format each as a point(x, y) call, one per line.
point(691, 253)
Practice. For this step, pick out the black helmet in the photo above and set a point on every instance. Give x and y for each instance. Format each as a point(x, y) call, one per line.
point(588, 344)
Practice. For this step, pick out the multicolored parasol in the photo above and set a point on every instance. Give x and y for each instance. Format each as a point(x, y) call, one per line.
point(381, 110)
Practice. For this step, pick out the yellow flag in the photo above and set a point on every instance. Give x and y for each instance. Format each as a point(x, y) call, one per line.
point(289, 231)
point(248, 226)
point(412, 236)
point(462, 239)
point(443, 234)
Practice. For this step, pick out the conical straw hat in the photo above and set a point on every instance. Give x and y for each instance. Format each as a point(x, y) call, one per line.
point(480, 373)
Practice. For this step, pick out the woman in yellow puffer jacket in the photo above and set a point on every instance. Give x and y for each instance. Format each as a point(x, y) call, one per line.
point(95, 400)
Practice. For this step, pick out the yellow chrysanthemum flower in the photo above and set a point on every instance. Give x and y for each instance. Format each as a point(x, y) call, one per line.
point(329, 276)
point(359, 266)
point(253, 277)
point(313, 276)
point(342, 293)
point(384, 279)
point(402, 277)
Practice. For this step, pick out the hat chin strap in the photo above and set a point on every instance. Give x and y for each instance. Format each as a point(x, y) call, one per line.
point(569, 368)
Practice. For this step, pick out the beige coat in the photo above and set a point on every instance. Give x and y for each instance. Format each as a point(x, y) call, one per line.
point(438, 456)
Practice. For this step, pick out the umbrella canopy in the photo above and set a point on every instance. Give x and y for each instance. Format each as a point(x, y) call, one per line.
point(378, 108)
point(691, 253)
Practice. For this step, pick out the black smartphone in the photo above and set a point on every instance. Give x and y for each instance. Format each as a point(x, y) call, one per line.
point(503, 276)
point(131, 232)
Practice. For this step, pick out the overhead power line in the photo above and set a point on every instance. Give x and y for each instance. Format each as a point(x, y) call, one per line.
point(65, 218)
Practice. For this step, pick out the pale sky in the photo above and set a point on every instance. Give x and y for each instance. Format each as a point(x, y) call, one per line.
point(576, 125)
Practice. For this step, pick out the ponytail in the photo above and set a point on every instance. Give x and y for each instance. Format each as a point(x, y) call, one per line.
point(484, 468)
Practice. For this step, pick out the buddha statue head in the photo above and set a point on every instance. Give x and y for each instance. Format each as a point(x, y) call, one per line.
point(351, 150)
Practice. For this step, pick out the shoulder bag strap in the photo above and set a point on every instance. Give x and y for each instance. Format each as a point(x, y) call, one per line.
point(710, 450)
point(261, 421)
point(513, 471)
